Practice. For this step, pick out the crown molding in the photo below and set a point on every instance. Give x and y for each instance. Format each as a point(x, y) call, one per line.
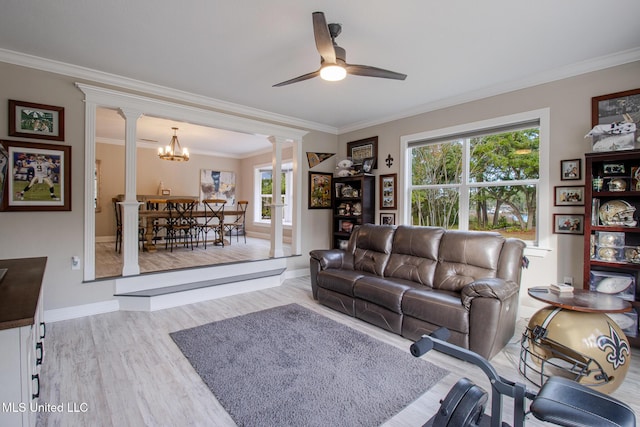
point(591, 65)
point(57, 67)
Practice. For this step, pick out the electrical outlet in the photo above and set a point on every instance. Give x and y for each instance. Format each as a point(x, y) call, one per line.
point(75, 262)
point(568, 280)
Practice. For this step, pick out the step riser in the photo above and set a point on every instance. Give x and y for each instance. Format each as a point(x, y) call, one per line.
point(160, 302)
point(146, 282)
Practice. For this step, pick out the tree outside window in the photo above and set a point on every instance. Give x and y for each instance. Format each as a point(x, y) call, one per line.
point(486, 182)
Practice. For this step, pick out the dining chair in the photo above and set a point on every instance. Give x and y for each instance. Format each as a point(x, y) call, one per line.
point(157, 224)
point(239, 223)
point(181, 222)
point(213, 220)
point(118, 214)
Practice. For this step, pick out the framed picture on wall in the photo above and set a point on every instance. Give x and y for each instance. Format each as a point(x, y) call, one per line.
point(31, 120)
point(572, 195)
point(571, 170)
point(363, 149)
point(568, 223)
point(38, 178)
point(388, 197)
point(216, 185)
point(616, 107)
point(320, 190)
point(388, 219)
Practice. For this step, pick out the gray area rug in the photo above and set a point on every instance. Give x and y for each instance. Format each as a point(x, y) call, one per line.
point(289, 366)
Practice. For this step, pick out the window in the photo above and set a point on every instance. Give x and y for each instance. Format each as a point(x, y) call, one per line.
point(483, 178)
point(264, 193)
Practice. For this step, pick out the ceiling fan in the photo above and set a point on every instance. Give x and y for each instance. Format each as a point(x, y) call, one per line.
point(333, 58)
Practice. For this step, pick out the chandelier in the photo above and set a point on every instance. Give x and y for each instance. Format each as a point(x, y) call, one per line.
point(174, 151)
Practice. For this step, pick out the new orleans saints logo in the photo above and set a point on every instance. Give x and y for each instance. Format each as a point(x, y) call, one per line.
point(617, 347)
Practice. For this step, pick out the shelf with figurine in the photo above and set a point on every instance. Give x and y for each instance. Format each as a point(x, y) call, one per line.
point(354, 204)
point(612, 227)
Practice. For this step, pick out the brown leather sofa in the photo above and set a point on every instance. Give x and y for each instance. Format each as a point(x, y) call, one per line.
point(412, 280)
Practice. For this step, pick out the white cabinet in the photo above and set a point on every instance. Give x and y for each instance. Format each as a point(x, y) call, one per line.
point(22, 334)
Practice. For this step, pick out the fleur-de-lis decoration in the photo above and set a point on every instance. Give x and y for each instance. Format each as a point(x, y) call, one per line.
point(617, 345)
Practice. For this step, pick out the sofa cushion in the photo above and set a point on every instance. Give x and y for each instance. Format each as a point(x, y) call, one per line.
point(380, 291)
point(337, 280)
point(371, 248)
point(437, 307)
point(466, 256)
point(414, 255)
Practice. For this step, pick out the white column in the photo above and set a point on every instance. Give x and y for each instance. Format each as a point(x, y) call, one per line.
point(130, 204)
point(276, 206)
point(296, 235)
point(89, 212)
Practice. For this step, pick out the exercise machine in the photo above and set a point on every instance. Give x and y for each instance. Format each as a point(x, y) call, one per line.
point(560, 401)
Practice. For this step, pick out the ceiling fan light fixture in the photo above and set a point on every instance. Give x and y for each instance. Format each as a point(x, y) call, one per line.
point(333, 73)
point(174, 150)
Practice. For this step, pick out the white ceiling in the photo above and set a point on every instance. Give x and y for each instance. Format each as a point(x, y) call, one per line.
point(234, 51)
point(154, 132)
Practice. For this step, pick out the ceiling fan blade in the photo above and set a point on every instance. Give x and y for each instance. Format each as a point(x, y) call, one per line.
point(366, 70)
point(324, 44)
point(299, 78)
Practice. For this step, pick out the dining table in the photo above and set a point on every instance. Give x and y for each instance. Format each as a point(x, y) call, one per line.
point(147, 216)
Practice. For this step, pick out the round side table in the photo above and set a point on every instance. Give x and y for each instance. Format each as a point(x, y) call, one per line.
point(574, 338)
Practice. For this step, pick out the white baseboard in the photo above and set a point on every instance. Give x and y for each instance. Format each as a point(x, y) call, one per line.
point(105, 239)
point(292, 274)
point(77, 311)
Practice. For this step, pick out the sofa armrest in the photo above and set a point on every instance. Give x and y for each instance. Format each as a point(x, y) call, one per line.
point(322, 259)
point(488, 288)
point(493, 309)
point(332, 258)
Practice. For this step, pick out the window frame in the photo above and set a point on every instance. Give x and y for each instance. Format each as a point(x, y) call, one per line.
point(544, 203)
point(287, 169)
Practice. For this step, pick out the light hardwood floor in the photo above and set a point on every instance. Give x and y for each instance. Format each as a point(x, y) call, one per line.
point(128, 371)
point(109, 262)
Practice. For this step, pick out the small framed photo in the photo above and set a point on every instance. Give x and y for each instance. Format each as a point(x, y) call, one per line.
point(571, 170)
point(388, 219)
point(572, 195)
point(320, 190)
point(166, 192)
point(613, 168)
point(363, 149)
point(39, 177)
point(568, 223)
point(368, 165)
point(30, 120)
point(388, 198)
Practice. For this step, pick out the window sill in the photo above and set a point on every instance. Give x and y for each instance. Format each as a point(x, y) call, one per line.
point(536, 251)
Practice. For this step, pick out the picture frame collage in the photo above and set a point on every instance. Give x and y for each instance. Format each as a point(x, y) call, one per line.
point(568, 196)
point(35, 176)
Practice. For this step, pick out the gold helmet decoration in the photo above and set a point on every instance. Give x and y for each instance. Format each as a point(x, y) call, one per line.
point(617, 184)
point(617, 212)
point(589, 349)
